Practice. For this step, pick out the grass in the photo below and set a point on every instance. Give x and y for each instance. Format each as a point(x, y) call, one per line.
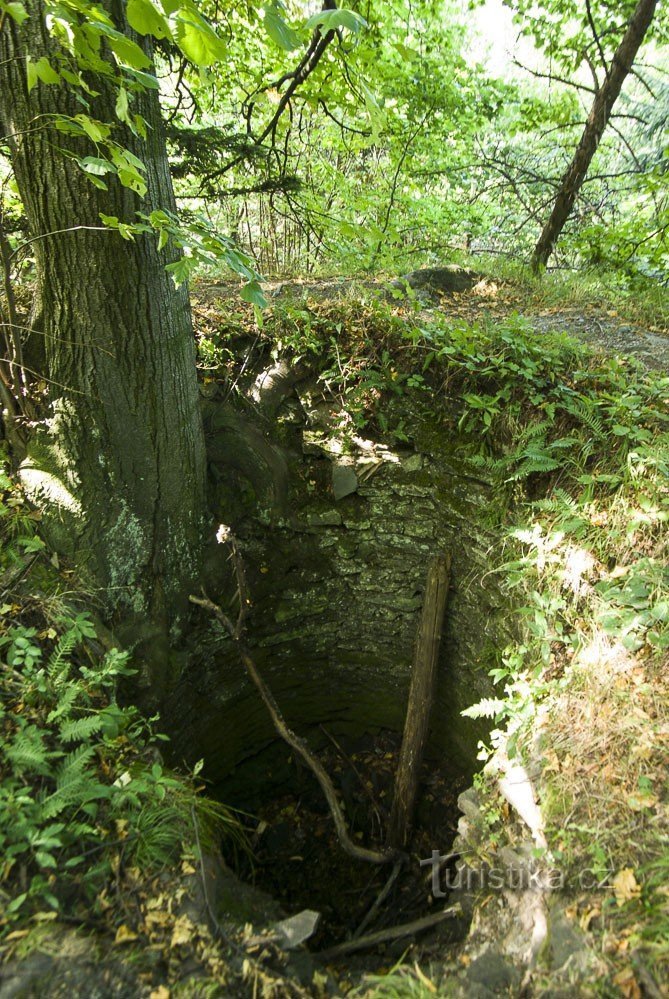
point(641, 302)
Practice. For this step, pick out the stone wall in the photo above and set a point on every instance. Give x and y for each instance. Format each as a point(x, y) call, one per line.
point(337, 528)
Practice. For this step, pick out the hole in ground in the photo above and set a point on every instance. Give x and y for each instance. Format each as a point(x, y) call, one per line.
point(296, 855)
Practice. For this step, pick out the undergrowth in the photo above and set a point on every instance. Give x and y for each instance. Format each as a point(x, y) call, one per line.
point(83, 791)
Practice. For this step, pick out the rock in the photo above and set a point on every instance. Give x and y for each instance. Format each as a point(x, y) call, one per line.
point(326, 518)
point(565, 940)
point(413, 463)
point(516, 786)
point(448, 279)
point(470, 805)
point(344, 480)
point(494, 973)
point(298, 928)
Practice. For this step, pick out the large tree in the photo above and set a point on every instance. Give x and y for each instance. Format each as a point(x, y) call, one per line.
point(119, 456)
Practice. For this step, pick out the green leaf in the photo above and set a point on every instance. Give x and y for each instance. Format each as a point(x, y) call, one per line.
point(16, 903)
point(133, 180)
point(95, 130)
point(122, 105)
point(40, 70)
point(146, 20)
point(330, 20)
point(16, 11)
point(45, 859)
point(197, 40)
point(252, 292)
point(31, 74)
point(95, 165)
point(127, 52)
point(281, 33)
point(181, 270)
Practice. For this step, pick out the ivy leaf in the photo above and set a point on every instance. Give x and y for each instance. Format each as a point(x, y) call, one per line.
point(146, 20)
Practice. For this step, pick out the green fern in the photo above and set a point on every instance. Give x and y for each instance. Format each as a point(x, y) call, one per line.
point(58, 666)
point(489, 707)
point(65, 703)
point(78, 729)
point(28, 753)
point(585, 411)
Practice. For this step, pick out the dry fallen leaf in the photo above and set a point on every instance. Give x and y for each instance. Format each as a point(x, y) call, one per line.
point(628, 984)
point(587, 917)
point(625, 886)
point(638, 801)
point(124, 935)
point(183, 932)
point(162, 992)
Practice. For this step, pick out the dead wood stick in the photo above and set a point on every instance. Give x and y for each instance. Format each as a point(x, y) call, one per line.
point(391, 933)
point(380, 899)
point(421, 694)
point(295, 742)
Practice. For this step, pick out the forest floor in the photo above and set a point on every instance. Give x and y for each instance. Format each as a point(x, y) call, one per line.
point(623, 330)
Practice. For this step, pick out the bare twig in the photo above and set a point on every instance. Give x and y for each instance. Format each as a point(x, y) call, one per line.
point(380, 899)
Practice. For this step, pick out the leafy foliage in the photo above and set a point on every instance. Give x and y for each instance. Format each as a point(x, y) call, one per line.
point(81, 785)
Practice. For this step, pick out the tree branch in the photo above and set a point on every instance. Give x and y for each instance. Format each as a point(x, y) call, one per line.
point(236, 631)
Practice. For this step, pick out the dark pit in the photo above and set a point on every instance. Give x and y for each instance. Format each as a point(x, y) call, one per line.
point(297, 857)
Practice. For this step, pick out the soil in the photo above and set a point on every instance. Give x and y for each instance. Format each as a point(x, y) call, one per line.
point(298, 860)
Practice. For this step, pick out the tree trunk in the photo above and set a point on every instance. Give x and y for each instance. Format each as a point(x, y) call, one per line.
point(120, 460)
point(594, 129)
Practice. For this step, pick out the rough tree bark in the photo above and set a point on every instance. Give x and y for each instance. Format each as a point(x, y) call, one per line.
point(598, 118)
point(120, 459)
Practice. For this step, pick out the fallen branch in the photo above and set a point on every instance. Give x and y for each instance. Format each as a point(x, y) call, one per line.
point(391, 933)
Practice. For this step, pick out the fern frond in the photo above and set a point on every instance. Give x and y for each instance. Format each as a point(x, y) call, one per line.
point(489, 707)
point(65, 703)
point(58, 664)
point(27, 752)
point(78, 729)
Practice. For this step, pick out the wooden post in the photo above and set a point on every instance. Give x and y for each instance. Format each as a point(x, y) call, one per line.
point(421, 694)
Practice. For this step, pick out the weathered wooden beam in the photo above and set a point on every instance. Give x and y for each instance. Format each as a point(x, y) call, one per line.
point(421, 694)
